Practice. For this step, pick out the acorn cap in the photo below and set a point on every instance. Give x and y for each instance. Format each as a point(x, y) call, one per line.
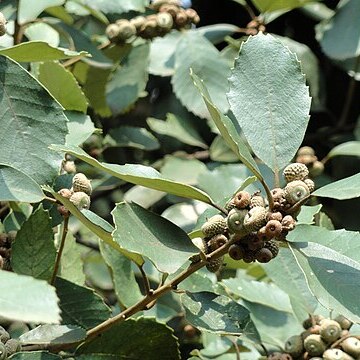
point(213, 226)
point(81, 200)
point(295, 171)
point(12, 346)
point(330, 330)
point(235, 221)
point(217, 241)
point(306, 150)
point(296, 191)
point(215, 265)
point(314, 345)
point(255, 218)
point(81, 183)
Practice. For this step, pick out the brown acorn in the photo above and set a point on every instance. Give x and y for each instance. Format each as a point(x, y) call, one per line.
point(255, 218)
point(126, 29)
point(263, 255)
point(215, 265)
point(273, 228)
point(236, 252)
point(294, 345)
point(336, 354)
point(217, 241)
point(273, 246)
point(242, 199)
point(344, 322)
point(296, 191)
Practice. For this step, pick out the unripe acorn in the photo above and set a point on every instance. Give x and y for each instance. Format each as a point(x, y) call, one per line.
point(336, 354)
point(296, 191)
point(138, 22)
point(294, 345)
point(66, 193)
point(242, 199)
point(257, 200)
point(3, 354)
point(310, 184)
point(217, 241)
point(81, 183)
point(255, 218)
point(213, 226)
point(295, 171)
point(69, 166)
point(81, 200)
point(164, 21)
point(2, 24)
point(126, 29)
point(263, 255)
point(314, 345)
point(273, 228)
point(12, 346)
point(236, 252)
point(235, 221)
point(215, 265)
point(351, 345)
point(306, 150)
point(317, 168)
point(344, 322)
point(273, 247)
point(330, 330)
point(112, 32)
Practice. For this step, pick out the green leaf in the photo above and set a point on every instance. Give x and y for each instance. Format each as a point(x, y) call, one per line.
point(268, 118)
point(332, 278)
point(32, 51)
point(162, 54)
point(339, 39)
point(117, 6)
point(227, 128)
point(139, 174)
point(80, 128)
point(53, 334)
point(30, 121)
point(286, 273)
point(220, 151)
point(166, 308)
point(347, 188)
point(128, 81)
point(126, 340)
point(26, 299)
point(216, 33)
point(143, 232)
point(17, 186)
point(194, 51)
point(80, 305)
point(33, 253)
point(30, 10)
point(42, 32)
point(178, 128)
point(35, 355)
point(272, 5)
point(143, 196)
point(349, 148)
point(307, 214)
point(259, 292)
point(63, 86)
point(217, 313)
point(130, 136)
point(126, 288)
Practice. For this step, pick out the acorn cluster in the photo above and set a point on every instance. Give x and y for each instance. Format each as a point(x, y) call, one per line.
point(78, 194)
point(2, 24)
point(254, 229)
point(8, 346)
point(169, 15)
point(6, 239)
point(322, 339)
point(306, 155)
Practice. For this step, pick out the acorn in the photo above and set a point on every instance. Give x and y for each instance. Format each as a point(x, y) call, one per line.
point(149, 29)
point(295, 171)
point(308, 323)
point(344, 322)
point(112, 32)
point(2, 24)
point(3, 353)
point(236, 252)
point(192, 15)
point(249, 257)
point(310, 184)
point(66, 193)
point(81, 183)
point(138, 22)
point(81, 200)
point(4, 335)
point(215, 265)
point(12, 346)
point(230, 205)
point(273, 228)
point(294, 345)
point(255, 218)
point(242, 199)
point(288, 223)
point(296, 191)
point(306, 150)
point(317, 168)
point(126, 29)
point(330, 330)
point(181, 18)
point(257, 200)
point(213, 226)
point(217, 241)
point(69, 166)
point(351, 345)
point(170, 8)
point(274, 216)
point(273, 247)
point(314, 345)
point(336, 354)
point(164, 21)
point(263, 255)
point(235, 221)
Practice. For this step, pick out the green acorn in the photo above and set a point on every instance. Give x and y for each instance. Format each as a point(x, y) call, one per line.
point(296, 191)
point(294, 345)
point(81, 183)
point(213, 226)
point(295, 171)
point(314, 345)
point(336, 354)
point(81, 200)
point(2, 24)
point(235, 221)
point(12, 346)
point(344, 322)
point(351, 345)
point(330, 330)
point(3, 353)
point(255, 218)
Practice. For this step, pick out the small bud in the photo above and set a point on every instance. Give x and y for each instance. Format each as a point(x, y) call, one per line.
point(336, 354)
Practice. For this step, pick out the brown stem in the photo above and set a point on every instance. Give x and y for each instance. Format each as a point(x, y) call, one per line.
point(221, 209)
point(268, 194)
point(60, 250)
point(349, 96)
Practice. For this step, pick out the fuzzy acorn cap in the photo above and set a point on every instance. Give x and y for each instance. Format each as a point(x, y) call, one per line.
point(330, 330)
point(213, 226)
point(81, 200)
point(310, 184)
point(235, 221)
point(314, 345)
point(273, 246)
point(4, 335)
point(296, 191)
point(81, 183)
point(273, 228)
point(217, 241)
point(295, 171)
point(257, 200)
point(336, 354)
point(215, 265)
point(344, 322)
point(12, 346)
point(294, 345)
point(255, 218)
point(2, 24)
point(242, 199)
point(351, 345)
